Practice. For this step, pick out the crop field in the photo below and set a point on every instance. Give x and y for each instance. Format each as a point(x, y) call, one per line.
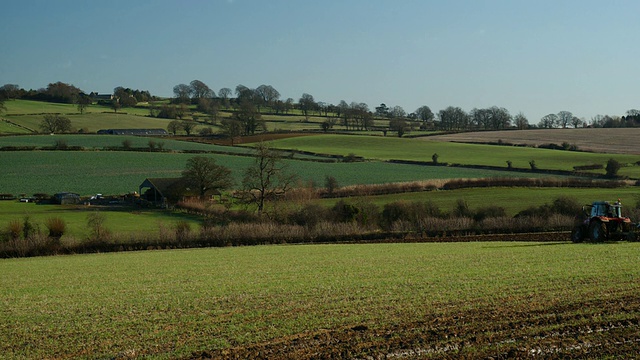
point(512, 199)
point(610, 140)
point(125, 221)
point(115, 172)
point(421, 149)
point(469, 300)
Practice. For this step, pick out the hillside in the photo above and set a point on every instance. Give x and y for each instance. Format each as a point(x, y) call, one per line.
point(602, 140)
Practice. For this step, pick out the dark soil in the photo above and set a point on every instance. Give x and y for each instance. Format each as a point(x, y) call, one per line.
point(602, 327)
point(599, 326)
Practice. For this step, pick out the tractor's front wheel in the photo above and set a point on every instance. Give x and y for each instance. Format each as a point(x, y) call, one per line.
point(598, 231)
point(577, 235)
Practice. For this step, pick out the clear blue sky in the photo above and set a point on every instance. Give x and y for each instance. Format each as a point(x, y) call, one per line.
point(536, 56)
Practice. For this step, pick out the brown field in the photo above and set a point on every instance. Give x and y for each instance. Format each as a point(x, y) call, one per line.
point(615, 141)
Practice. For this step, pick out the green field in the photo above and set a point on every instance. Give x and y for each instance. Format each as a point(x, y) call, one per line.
point(169, 304)
point(122, 222)
point(89, 141)
point(114, 172)
point(513, 200)
point(422, 149)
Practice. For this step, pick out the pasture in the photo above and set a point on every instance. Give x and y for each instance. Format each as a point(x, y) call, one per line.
point(422, 149)
point(121, 221)
point(512, 199)
point(448, 300)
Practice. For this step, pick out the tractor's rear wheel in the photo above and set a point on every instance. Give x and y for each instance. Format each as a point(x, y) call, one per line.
point(578, 233)
point(598, 231)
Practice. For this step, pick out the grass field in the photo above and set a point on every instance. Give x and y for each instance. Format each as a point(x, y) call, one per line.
point(113, 172)
point(123, 222)
point(169, 304)
point(513, 200)
point(422, 149)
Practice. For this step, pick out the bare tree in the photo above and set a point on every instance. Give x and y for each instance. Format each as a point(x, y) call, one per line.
point(306, 104)
point(174, 126)
point(200, 90)
point(83, 101)
point(54, 123)
point(424, 114)
point(249, 117)
point(204, 174)
point(267, 178)
point(548, 121)
point(521, 121)
point(231, 128)
point(182, 93)
point(564, 118)
point(225, 94)
point(576, 122)
point(9, 91)
point(188, 126)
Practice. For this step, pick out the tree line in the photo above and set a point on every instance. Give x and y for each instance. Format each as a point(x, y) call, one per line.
point(248, 105)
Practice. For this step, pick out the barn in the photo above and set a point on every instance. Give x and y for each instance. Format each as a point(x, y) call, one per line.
point(165, 191)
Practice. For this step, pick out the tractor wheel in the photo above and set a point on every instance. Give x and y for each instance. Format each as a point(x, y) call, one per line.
point(578, 233)
point(598, 231)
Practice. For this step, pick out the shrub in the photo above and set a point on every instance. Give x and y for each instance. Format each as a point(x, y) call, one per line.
point(344, 212)
point(56, 227)
point(532, 165)
point(95, 222)
point(61, 144)
point(435, 157)
point(461, 209)
point(612, 168)
point(182, 230)
point(127, 144)
point(566, 205)
point(309, 215)
point(330, 184)
point(15, 228)
point(491, 211)
point(28, 228)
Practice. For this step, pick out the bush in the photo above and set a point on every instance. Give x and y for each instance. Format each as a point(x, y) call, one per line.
point(56, 227)
point(15, 229)
point(487, 212)
point(344, 212)
point(182, 230)
point(330, 184)
point(613, 166)
point(309, 215)
point(95, 222)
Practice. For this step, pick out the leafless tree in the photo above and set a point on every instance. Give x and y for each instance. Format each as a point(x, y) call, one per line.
point(267, 178)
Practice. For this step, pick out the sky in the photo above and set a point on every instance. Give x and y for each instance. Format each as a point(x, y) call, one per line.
point(536, 57)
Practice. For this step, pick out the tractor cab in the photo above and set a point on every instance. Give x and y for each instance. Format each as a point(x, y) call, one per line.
point(603, 221)
point(603, 209)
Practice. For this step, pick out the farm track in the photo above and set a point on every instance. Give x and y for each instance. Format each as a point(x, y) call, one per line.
point(603, 325)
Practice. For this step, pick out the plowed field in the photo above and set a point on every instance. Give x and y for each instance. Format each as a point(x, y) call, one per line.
point(606, 325)
point(614, 141)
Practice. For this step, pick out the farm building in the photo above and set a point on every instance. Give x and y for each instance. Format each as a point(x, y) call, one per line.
point(65, 198)
point(164, 191)
point(139, 132)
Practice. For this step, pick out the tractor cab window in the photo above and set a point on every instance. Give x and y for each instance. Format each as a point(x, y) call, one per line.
point(615, 210)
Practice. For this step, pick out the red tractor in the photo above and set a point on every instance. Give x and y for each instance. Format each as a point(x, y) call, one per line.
point(603, 221)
